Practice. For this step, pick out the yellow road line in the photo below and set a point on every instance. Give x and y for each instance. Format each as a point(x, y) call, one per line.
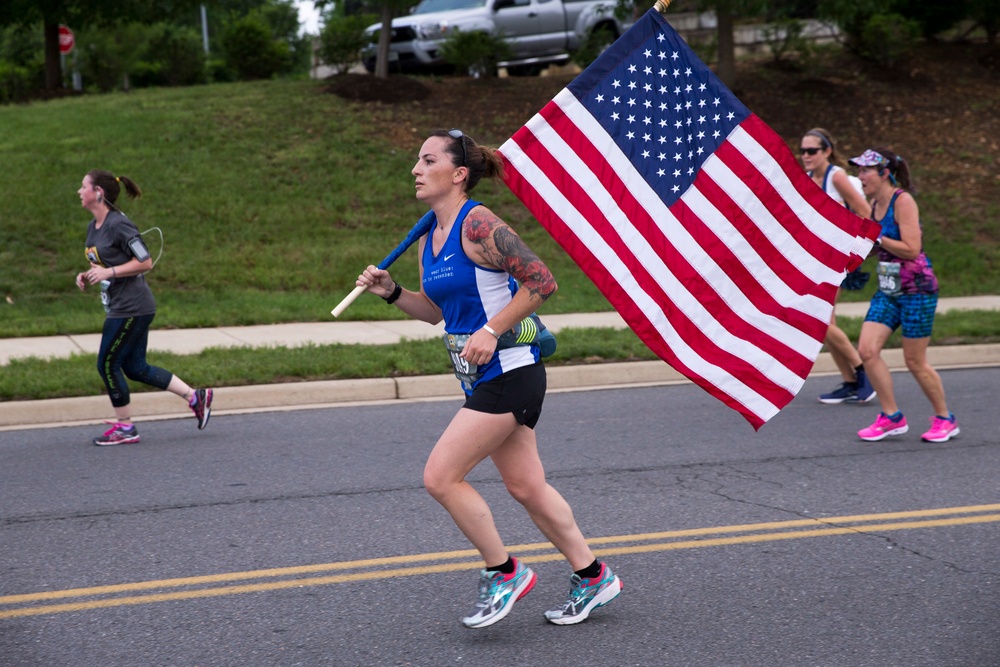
point(821, 527)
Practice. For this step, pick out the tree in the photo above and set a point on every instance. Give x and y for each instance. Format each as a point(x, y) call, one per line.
point(283, 18)
point(280, 15)
point(109, 58)
point(81, 14)
point(388, 9)
point(342, 39)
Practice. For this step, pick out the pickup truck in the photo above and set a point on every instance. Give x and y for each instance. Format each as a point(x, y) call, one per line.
point(539, 32)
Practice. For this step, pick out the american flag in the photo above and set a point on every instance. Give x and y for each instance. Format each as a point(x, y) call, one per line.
point(691, 216)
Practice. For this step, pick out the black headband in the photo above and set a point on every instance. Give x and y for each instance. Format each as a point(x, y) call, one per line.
point(822, 137)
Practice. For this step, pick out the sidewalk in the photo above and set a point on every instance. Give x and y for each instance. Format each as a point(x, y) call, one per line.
point(192, 341)
point(19, 414)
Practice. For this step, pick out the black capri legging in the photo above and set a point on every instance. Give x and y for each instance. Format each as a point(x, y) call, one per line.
point(123, 354)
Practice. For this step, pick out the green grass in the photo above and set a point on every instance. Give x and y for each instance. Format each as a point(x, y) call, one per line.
point(27, 379)
point(271, 196)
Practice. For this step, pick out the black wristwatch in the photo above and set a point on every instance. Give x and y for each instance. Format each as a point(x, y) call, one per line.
point(396, 291)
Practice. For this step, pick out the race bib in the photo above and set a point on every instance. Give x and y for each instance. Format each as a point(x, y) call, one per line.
point(467, 372)
point(105, 295)
point(890, 282)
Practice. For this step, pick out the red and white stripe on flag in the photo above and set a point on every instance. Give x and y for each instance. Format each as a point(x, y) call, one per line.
point(722, 255)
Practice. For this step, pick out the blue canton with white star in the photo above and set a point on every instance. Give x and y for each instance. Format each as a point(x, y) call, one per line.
point(663, 107)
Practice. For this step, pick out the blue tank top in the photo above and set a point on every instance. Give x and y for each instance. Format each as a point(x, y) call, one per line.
point(469, 295)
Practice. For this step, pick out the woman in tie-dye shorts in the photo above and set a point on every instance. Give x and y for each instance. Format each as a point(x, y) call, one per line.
point(906, 298)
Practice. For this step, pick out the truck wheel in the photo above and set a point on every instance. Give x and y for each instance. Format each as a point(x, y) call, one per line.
point(603, 36)
point(524, 70)
point(594, 44)
point(482, 71)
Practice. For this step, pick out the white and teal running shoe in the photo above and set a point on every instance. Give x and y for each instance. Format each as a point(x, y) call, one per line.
point(586, 595)
point(497, 594)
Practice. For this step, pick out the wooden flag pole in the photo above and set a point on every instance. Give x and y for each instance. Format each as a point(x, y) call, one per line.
point(661, 6)
point(348, 300)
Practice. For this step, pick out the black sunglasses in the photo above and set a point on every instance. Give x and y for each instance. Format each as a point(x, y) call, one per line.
point(810, 151)
point(457, 134)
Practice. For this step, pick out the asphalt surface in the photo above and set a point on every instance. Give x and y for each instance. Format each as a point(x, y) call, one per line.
point(306, 538)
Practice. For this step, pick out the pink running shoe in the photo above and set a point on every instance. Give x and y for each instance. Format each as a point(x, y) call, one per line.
point(943, 429)
point(883, 427)
point(201, 405)
point(118, 434)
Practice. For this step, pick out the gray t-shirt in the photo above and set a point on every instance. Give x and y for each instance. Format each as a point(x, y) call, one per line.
point(108, 246)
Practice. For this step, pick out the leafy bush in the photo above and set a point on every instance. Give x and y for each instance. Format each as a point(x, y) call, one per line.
point(594, 44)
point(172, 56)
point(110, 55)
point(342, 39)
point(251, 49)
point(22, 63)
point(851, 16)
point(15, 83)
point(934, 17)
point(475, 52)
point(218, 70)
point(784, 37)
point(283, 18)
point(885, 38)
point(99, 60)
point(178, 54)
point(22, 45)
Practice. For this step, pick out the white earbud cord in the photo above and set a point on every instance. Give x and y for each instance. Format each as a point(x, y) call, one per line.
point(160, 254)
point(151, 229)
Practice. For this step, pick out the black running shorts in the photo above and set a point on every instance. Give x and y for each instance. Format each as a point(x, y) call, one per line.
point(520, 391)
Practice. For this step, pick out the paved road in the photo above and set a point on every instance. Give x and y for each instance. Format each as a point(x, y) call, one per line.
point(304, 538)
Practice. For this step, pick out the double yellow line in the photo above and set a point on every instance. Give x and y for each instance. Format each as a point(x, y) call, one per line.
point(97, 597)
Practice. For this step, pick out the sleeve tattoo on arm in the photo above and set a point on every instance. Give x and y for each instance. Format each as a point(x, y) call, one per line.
point(504, 248)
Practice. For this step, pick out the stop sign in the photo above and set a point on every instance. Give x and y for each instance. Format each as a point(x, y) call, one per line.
point(66, 39)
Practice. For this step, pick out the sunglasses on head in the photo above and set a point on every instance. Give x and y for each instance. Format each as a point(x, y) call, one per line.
point(457, 134)
point(809, 151)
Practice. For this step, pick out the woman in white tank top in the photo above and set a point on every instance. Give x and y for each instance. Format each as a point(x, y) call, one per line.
point(821, 163)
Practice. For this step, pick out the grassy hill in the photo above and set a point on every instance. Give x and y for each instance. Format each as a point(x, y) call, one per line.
point(271, 196)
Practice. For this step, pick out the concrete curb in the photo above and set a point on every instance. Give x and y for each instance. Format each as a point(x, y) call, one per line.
point(310, 395)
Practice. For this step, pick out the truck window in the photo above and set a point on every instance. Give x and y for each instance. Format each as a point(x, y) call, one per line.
point(428, 6)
